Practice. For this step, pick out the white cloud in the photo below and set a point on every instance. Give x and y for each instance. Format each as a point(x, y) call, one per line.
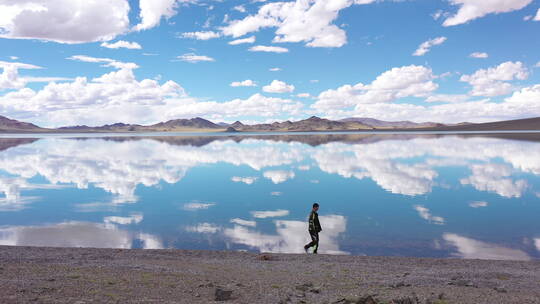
point(19, 65)
point(279, 176)
point(426, 46)
point(245, 83)
point(135, 218)
point(152, 11)
point(537, 16)
point(267, 214)
point(246, 180)
point(194, 206)
point(10, 78)
point(276, 193)
point(244, 222)
point(278, 86)
point(76, 234)
point(310, 22)
point(194, 58)
point(396, 83)
point(495, 178)
point(424, 213)
point(291, 236)
point(105, 165)
point(452, 98)
point(13, 57)
point(472, 249)
point(107, 62)
point(206, 228)
point(478, 204)
point(243, 41)
point(494, 81)
point(64, 21)
point(268, 49)
point(303, 95)
point(480, 55)
point(207, 35)
point(122, 44)
point(240, 8)
point(275, 69)
point(473, 9)
point(85, 101)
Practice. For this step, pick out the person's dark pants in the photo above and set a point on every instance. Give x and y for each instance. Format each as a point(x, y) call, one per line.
point(314, 241)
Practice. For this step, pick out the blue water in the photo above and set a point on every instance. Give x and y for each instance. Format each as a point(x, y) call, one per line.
point(380, 194)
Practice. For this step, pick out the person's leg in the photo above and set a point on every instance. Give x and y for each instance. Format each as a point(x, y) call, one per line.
point(316, 242)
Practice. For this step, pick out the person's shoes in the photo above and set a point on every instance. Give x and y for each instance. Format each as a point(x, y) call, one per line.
point(314, 252)
point(306, 249)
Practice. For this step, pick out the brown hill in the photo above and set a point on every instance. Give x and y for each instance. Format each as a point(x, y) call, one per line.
point(12, 125)
point(194, 123)
point(313, 123)
point(507, 125)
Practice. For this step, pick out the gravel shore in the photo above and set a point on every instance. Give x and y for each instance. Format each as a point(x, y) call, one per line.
point(79, 275)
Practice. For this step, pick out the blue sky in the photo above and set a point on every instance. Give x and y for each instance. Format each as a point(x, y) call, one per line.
point(68, 62)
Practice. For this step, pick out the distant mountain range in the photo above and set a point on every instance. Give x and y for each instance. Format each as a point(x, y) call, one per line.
point(311, 124)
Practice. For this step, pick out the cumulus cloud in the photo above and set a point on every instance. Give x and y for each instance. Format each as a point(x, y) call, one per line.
point(279, 176)
point(478, 204)
point(268, 49)
point(122, 44)
point(134, 218)
point(310, 22)
point(206, 228)
point(194, 58)
point(10, 78)
point(246, 180)
point(425, 213)
point(245, 83)
point(278, 86)
point(76, 234)
point(495, 178)
point(537, 16)
point(413, 80)
point(194, 206)
point(243, 222)
point(468, 248)
point(153, 11)
point(473, 9)
point(480, 55)
point(79, 21)
point(243, 41)
point(426, 46)
point(206, 35)
point(494, 81)
point(452, 98)
point(290, 237)
point(267, 214)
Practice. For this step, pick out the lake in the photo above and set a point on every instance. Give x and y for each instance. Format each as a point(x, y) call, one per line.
point(462, 196)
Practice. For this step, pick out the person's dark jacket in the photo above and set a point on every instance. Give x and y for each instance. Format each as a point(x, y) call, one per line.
point(314, 224)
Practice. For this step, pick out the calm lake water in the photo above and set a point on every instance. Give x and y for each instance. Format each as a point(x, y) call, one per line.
point(397, 195)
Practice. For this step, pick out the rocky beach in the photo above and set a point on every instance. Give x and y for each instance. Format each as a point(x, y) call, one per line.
point(85, 275)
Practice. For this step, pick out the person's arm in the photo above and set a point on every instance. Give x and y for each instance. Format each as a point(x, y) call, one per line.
point(318, 224)
point(312, 221)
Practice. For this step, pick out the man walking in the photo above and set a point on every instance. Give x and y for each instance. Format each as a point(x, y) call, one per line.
point(314, 229)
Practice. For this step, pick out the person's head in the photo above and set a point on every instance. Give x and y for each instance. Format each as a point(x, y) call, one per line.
point(315, 207)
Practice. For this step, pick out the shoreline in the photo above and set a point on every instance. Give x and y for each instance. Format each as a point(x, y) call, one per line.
point(86, 275)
